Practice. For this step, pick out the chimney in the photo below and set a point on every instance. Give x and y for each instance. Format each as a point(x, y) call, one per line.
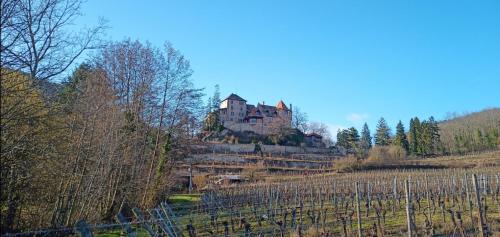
point(263, 103)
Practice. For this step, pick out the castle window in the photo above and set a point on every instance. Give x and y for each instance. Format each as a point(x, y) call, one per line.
point(241, 102)
point(232, 113)
point(252, 120)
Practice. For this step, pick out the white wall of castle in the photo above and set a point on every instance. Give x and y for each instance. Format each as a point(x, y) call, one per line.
point(233, 111)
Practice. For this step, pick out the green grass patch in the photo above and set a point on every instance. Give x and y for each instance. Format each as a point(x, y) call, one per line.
point(184, 198)
point(118, 233)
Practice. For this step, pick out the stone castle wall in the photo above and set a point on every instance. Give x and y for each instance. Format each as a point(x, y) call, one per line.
point(274, 149)
point(265, 128)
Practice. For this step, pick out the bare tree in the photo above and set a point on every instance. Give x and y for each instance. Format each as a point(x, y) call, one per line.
point(321, 129)
point(130, 124)
point(36, 39)
point(299, 119)
point(180, 105)
point(35, 44)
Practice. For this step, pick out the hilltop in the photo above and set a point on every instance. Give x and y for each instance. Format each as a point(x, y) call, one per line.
point(474, 132)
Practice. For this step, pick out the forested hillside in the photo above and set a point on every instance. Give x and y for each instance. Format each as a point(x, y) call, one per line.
point(471, 133)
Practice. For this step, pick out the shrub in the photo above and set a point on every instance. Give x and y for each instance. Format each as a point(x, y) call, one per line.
point(397, 152)
point(380, 155)
point(254, 171)
point(200, 181)
point(350, 163)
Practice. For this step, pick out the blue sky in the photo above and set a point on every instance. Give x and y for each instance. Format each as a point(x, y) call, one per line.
point(342, 62)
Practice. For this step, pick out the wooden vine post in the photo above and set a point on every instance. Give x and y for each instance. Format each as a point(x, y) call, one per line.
point(408, 207)
point(468, 198)
point(429, 211)
point(478, 202)
point(358, 212)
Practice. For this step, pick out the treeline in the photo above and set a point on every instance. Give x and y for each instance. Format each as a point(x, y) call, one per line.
point(426, 138)
point(105, 138)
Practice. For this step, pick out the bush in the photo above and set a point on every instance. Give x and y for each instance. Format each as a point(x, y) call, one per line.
point(254, 171)
point(200, 181)
point(385, 154)
point(350, 163)
point(377, 156)
point(397, 152)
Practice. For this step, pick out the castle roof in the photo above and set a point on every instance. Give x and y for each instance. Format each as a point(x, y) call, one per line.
point(314, 135)
point(281, 105)
point(268, 110)
point(233, 96)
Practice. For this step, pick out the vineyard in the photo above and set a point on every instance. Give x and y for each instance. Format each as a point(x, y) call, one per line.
point(417, 203)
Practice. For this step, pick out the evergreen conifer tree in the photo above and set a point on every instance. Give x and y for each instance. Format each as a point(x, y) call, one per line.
point(400, 138)
point(216, 98)
point(435, 137)
point(383, 133)
point(348, 139)
point(413, 136)
point(366, 138)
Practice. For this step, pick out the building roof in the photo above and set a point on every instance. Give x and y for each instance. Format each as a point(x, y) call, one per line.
point(233, 96)
point(268, 110)
point(314, 135)
point(252, 112)
point(281, 105)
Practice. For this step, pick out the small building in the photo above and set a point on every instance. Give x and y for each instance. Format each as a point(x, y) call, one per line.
point(314, 140)
point(229, 179)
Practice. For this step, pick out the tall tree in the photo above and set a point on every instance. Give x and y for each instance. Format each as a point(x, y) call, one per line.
point(424, 146)
point(299, 119)
point(216, 98)
point(366, 138)
point(400, 138)
point(320, 129)
point(383, 133)
point(38, 43)
point(353, 137)
point(24, 123)
point(435, 136)
point(348, 139)
point(37, 37)
point(209, 106)
point(429, 137)
point(414, 136)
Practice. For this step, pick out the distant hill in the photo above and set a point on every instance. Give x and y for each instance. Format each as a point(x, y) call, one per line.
point(479, 131)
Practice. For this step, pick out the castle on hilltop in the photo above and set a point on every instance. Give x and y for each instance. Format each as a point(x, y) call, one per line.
point(237, 115)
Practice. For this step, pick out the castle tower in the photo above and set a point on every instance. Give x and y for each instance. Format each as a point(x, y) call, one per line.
point(284, 113)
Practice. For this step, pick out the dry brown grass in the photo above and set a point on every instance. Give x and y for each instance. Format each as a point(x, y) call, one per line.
point(391, 157)
point(348, 164)
point(311, 232)
point(200, 181)
point(254, 172)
